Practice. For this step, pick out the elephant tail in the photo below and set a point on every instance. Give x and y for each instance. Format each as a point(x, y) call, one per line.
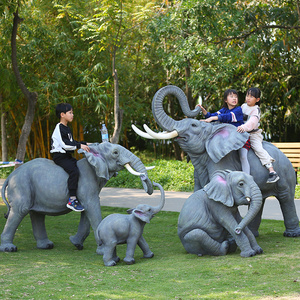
point(5, 184)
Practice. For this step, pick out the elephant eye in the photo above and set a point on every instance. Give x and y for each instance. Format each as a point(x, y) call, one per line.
point(241, 184)
point(194, 125)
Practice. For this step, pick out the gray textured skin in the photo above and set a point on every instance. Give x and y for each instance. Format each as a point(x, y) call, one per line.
point(210, 214)
point(120, 229)
point(210, 148)
point(39, 187)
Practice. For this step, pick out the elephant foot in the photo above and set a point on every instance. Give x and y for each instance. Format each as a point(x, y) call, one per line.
point(100, 250)
point(292, 233)
point(76, 243)
point(110, 263)
point(8, 248)
point(129, 261)
point(45, 244)
point(148, 255)
point(258, 250)
point(248, 253)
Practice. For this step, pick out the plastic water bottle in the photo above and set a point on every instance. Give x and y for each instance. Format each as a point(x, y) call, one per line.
point(104, 133)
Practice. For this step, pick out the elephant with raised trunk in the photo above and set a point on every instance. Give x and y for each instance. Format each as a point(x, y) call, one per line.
point(119, 229)
point(39, 187)
point(209, 218)
point(211, 147)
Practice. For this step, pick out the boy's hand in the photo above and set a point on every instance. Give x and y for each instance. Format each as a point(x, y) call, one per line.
point(240, 129)
point(203, 109)
point(85, 147)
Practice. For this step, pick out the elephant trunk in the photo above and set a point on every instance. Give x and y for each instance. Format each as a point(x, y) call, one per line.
point(158, 208)
point(138, 166)
point(160, 115)
point(255, 206)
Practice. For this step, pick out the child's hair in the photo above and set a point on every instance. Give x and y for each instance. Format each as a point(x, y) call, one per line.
point(254, 92)
point(62, 108)
point(227, 93)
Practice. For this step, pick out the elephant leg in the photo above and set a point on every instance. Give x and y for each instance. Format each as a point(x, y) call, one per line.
point(39, 231)
point(92, 215)
point(131, 245)
point(291, 220)
point(116, 258)
point(7, 236)
point(250, 236)
point(199, 242)
point(145, 247)
point(82, 232)
point(109, 253)
point(252, 241)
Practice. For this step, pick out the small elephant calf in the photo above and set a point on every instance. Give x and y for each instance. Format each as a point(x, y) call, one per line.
point(120, 229)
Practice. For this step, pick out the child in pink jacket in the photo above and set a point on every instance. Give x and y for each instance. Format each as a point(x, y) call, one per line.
point(251, 111)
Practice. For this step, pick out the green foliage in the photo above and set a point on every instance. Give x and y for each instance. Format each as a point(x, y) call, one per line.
point(173, 175)
point(66, 273)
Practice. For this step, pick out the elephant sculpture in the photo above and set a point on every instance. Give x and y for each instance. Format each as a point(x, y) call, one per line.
point(119, 229)
point(39, 187)
point(210, 147)
point(209, 218)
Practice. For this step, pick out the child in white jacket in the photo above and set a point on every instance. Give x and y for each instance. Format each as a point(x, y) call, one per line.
point(251, 111)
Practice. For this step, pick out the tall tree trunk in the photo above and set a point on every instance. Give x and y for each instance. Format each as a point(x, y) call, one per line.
point(3, 131)
point(31, 97)
point(118, 113)
point(188, 90)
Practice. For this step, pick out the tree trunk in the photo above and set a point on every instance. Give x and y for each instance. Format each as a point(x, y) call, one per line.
point(31, 97)
point(118, 113)
point(3, 132)
point(188, 90)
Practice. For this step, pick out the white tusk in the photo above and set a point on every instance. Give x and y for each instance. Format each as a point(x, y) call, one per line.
point(150, 168)
point(161, 135)
point(248, 199)
point(141, 133)
point(133, 172)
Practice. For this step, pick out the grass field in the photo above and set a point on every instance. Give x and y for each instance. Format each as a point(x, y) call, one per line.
point(66, 273)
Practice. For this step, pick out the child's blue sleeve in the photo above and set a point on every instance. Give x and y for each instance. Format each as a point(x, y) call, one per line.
point(234, 116)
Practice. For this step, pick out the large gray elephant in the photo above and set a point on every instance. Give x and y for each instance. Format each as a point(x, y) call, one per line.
point(211, 147)
point(209, 218)
point(39, 187)
point(119, 229)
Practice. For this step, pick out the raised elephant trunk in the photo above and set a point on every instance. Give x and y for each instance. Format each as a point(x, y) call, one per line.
point(159, 114)
point(255, 206)
point(158, 208)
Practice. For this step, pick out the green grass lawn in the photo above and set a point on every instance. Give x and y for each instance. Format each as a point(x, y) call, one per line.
point(66, 273)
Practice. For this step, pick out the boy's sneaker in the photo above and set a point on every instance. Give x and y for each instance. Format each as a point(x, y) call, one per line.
point(273, 177)
point(75, 205)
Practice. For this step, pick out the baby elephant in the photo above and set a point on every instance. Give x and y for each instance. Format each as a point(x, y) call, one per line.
point(209, 218)
point(120, 229)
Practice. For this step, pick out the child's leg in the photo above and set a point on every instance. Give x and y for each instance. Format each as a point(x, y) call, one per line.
point(69, 164)
point(256, 144)
point(243, 152)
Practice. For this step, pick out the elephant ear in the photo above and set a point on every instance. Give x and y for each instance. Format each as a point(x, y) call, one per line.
point(98, 162)
point(219, 189)
point(224, 139)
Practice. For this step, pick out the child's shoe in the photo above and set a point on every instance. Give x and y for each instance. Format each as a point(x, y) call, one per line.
point(273, 177)
point(75, 205)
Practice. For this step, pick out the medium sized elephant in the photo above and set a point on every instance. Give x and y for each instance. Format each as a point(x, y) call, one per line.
point(210, 218)
point(39, 187)
point(120, 229)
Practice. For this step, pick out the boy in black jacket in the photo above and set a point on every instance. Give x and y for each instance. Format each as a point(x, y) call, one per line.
point(62, 147)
